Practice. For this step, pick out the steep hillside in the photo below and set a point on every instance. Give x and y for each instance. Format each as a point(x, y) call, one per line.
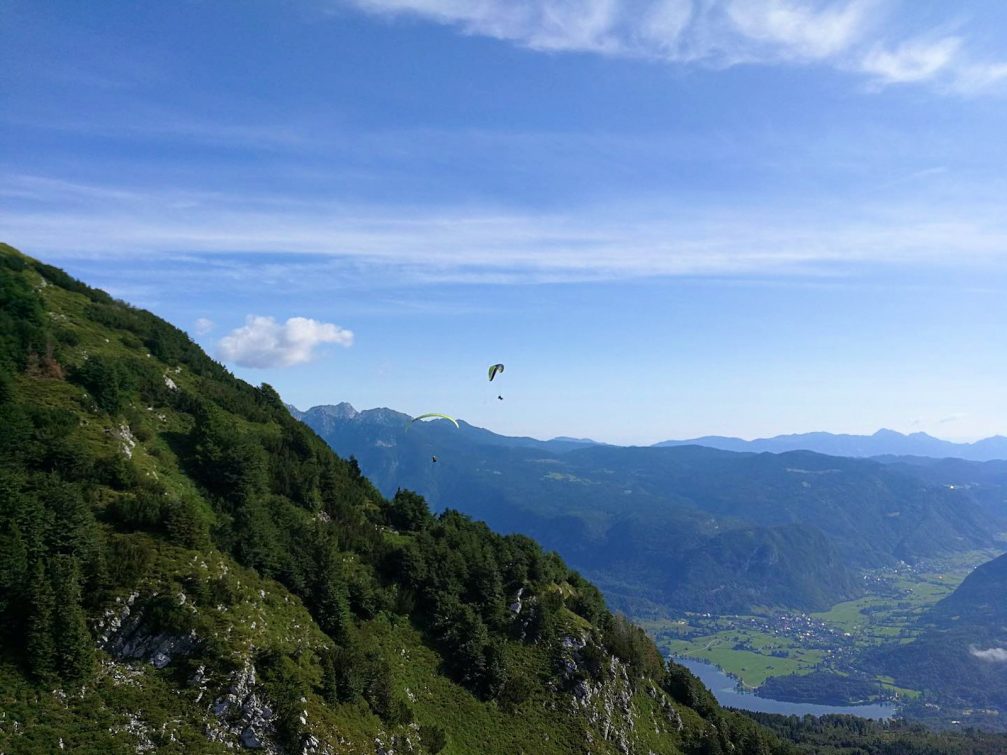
point(186, 568)
point(691, 528)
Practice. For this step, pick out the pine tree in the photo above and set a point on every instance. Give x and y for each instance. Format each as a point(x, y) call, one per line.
point(13, 574)
point(40, 648)
point(74, 645)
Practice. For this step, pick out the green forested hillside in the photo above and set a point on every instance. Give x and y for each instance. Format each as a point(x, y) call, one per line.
point(749, 531)
point(186, 568)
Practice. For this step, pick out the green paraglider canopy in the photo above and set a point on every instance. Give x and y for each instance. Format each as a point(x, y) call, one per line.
point(494, 369)
point(437, 416)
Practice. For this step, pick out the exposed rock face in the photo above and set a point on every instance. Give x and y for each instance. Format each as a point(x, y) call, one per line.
point(139, 731)
point(515, 607)
point(243, 714)
point(669, 711)
point(124, 636)
point(607, 704)
point(128, 441)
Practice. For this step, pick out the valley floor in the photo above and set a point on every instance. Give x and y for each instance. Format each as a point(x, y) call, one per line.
point(773, 644)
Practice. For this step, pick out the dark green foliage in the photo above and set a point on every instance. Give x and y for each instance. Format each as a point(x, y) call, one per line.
point(21, 318)
point(6, 387)
point(128, 559)
point(542, 624)
point(685, 687)
point(351, 673)
point(231, 464)
point(107, 380)
point(434, 738)
point(408, 511)
point(116, 471)
point(330, 598)
point(141, 509)
point(59, 278)
point(380, 694)
point(74, 644)
point(40, 643)
point(163, 613)
point(848, 735)
point(630, 643)
point(13, 567)
point(515, 690)
point(820, 687)
point(286, 684)
point(344, 674)
point(185, 522)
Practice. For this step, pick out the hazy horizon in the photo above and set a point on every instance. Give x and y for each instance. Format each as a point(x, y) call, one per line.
point(729, 435)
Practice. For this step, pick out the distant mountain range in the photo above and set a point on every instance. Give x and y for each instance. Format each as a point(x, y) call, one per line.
point(882, 443)
point(682, 527)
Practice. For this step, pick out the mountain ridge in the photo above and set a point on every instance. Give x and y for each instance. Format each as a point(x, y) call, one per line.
point(884, 442)
point(745, 515)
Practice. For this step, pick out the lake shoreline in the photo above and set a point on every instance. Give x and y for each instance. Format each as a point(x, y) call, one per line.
point(731, 693)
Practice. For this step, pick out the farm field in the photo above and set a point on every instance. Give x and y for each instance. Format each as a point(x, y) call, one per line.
point(753, 648)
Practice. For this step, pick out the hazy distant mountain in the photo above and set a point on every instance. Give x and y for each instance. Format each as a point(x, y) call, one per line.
point(882, 443)
point(323, 418)
point(685, 527)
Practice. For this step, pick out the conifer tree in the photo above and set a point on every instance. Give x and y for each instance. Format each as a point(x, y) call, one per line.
point(74, 645)
point(40, 648)
point(13, 575)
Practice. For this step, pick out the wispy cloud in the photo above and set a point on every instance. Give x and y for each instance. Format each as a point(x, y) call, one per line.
point(469, 244)
point(913, 61)
point(263, 342)
point(851, 35)
point(800, 30)
point(203, 326)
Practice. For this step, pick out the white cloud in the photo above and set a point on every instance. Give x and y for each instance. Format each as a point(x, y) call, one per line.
point(204, 326)
point(859, 36)
point(262, 342)
point(580, 25)
point(913, 61)
point(800, 28)
point(992, 655)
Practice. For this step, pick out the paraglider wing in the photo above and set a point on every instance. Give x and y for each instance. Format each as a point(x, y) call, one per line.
point(494, 370)
point(452, 420)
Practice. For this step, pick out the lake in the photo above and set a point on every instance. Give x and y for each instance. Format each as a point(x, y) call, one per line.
point(725, 689)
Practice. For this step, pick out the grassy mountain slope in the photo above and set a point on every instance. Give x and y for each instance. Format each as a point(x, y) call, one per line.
point(748, 530)
point(186, 568)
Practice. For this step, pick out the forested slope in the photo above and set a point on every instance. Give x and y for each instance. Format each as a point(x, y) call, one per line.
point(186, 568)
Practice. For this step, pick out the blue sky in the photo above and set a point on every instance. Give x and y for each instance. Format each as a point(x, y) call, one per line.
point(667, 217)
